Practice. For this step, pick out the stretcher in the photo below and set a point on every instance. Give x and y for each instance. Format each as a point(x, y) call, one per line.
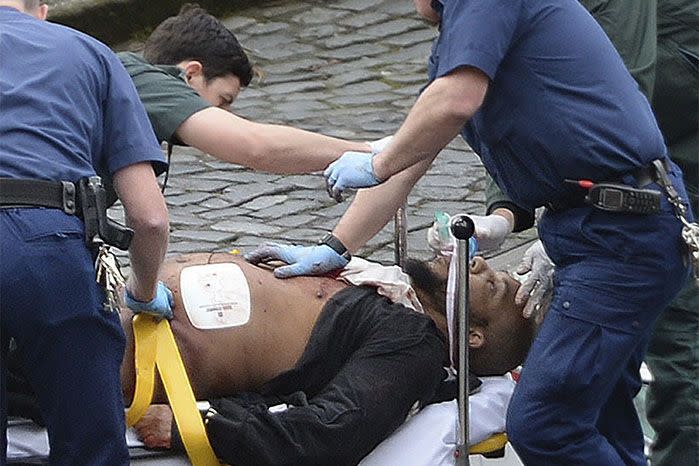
point(442, 429)
point(427, 438)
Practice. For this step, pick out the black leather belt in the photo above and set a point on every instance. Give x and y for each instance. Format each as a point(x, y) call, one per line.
point(38, 193)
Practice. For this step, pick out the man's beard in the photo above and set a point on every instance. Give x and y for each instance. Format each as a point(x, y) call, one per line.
point(422, 276)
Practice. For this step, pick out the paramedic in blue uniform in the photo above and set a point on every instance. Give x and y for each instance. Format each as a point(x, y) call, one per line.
point(538, 91)
point(68, 105)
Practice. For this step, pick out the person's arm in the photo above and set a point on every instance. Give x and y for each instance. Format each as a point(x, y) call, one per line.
point(146, 213)
point(498, 203)
point(434, 121)
point(272, 148)
point(436, 118)
point(373, 208)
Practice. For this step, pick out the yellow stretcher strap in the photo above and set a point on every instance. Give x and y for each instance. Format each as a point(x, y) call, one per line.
point(492, 445)
point(155, 345)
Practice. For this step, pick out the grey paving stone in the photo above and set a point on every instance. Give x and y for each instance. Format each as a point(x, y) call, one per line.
point(218, 215)
point(319, 15)
point(362, 99)
point(397, 8)
point(292, 221)
point(192, 183)
point(238, 23)
point(199, 235)
point(266, 28)
point(352, 77)
point(187, 198)
point(319, 31)
point(285, 51)
point(184, 221)
point(246, 227)
point(264, 202)
point(354, 51)
point(354, 5)
point(343, 40)
point(284, 10)
point(215, 203)
point(414, 37)
point(293, 87)
point(364, 87)
point(392, 28)
point(290, 67)
point(363, 19)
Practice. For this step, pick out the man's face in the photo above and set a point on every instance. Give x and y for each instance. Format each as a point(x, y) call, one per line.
point(491, 294)
point(219, 92)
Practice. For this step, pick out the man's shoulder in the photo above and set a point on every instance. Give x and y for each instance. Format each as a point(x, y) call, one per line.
point(137, 65)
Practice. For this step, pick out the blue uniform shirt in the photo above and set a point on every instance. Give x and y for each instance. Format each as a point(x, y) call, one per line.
point(560, 103)
point(70, 108)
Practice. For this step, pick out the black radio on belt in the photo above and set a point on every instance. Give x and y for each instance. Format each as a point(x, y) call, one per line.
point(613, 197)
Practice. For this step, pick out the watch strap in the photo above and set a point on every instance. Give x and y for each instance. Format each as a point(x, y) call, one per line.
point(336, 245)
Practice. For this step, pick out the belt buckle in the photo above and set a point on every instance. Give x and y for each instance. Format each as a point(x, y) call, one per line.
point(68, 197)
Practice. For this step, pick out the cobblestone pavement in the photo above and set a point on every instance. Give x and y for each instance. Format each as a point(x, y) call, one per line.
point(348, 68)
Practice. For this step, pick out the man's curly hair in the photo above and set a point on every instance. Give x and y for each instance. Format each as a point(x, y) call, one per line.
point(196, 35)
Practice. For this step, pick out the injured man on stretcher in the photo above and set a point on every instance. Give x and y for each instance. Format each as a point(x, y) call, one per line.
point(340, 365)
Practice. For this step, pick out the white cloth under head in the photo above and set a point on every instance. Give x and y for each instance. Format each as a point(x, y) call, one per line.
point(389, 280)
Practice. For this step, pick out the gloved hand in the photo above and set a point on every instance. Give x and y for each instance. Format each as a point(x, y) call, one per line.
point(160, 306)
point(302, 260)
point(351, 170)
point(491, 231)
point(539, 282)
point(380, 144)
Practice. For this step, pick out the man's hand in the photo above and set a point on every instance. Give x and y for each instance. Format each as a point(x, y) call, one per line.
point(302, 260)
point(160, 306)
point(155, 427)
point(539, 282)
point(351, 170)
point(491, 231)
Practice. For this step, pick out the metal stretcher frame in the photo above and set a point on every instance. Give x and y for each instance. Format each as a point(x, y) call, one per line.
point(462, 227)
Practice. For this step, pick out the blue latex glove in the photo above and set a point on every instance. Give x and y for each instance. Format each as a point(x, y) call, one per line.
point(302, 260)
point(351, 170)
point(160, 306)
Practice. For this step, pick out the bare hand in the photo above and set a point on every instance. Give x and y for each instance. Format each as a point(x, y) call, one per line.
point(155, 427)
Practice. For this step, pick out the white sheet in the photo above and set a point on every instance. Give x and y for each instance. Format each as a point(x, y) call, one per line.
point(429, 437)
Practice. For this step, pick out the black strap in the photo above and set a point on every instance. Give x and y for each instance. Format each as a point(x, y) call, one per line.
point(38, 193)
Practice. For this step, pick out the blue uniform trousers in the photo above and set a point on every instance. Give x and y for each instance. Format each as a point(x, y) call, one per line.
point(69, 347)
point(615, 274)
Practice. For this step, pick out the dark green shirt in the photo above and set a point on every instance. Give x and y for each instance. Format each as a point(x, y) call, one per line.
point(168, 99)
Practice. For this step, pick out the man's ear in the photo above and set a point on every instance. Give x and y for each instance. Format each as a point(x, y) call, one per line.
point(476, 337)
point(192, 68)
point(43, 11)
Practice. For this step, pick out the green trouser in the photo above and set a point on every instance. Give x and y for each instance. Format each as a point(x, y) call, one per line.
point(673, 355)
point(661, 51)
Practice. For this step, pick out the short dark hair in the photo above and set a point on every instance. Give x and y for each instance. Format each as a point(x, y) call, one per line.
point(196, 35)
point(32, 4)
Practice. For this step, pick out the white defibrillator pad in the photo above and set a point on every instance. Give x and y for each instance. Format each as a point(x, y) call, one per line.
point(215, 295)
